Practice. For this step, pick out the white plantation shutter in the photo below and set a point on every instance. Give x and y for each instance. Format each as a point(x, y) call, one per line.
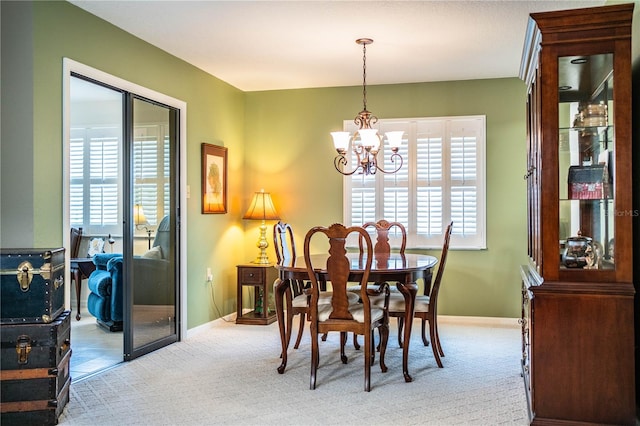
point(442, 179)
point(464, 209)
point(463, 181)
point(151, 171)
point(76, 172)
point(429, 181)
point(95, 183)
point(364, 192)
point(364, 204)
point(165, 177)
point(395, 202)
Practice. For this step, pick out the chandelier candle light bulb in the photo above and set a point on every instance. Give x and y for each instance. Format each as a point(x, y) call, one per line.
point(365, 142)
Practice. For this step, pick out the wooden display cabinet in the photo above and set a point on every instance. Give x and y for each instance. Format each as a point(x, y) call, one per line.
point(261, 278)
point(578, 295)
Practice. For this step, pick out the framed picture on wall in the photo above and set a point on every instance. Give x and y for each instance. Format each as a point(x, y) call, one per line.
point(214, 179)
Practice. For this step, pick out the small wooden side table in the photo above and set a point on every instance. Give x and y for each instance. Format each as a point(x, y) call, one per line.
point(80, 268)
point(261, 278)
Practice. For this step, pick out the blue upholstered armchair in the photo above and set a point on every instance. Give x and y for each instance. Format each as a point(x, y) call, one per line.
point(151, 272)
point(105, 291)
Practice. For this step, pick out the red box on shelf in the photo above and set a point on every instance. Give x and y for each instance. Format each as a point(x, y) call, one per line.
point(589, 182)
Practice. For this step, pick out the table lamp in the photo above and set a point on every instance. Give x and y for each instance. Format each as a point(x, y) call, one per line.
point(261, 208)
point(141, 222)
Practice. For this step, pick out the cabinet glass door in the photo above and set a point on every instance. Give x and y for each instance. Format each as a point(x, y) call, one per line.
point(586, 160)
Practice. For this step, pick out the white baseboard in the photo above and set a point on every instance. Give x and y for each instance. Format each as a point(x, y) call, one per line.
point(442, 319)
point(480, 321)
point(208, 325)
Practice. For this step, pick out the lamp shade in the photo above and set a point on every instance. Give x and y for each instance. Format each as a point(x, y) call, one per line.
point(395, 138)
point(261, 207)
point(369, 138)
point(341, 140)
point(138, 216)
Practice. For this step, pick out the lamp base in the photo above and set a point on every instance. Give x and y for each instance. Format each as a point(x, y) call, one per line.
point(260, 260)
point(262, 244)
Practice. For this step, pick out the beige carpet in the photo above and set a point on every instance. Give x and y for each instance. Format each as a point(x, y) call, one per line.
point(227, 375)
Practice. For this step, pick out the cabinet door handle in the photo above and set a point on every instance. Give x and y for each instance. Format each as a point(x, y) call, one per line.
point(529, 172)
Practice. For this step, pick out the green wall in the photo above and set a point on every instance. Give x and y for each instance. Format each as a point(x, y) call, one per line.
point(16, 159)
point(277, 140)
point(32, 146)
point(290, 153)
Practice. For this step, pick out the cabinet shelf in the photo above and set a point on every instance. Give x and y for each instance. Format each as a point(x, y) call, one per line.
point(592, 130)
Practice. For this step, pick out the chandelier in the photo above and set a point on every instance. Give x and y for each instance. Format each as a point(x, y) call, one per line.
point(365, 142)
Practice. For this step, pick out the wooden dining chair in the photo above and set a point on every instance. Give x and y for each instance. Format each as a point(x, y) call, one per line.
point(300, 297)
point(74, 250)
point(382, 228)
point(426, 305)
point(285, 248)
point(340, 315)
point(382, 246)
point(74, 242)
point(380, 249)
point(75, 272)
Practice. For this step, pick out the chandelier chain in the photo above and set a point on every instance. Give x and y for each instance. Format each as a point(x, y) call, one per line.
point(364, 76)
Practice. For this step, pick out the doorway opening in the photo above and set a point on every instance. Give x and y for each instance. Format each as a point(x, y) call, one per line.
point(124, 183)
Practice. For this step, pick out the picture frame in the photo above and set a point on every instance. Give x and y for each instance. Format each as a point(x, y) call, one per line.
point(96, 246)
point(214, 179)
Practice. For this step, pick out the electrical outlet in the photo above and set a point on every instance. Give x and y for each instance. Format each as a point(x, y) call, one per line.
point(209, 275)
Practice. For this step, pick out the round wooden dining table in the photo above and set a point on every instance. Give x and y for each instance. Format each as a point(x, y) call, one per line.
point(402, 269)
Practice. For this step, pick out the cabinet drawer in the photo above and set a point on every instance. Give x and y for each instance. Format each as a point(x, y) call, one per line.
point(252, 275)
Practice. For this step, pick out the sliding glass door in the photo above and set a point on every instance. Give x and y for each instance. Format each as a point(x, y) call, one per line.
point(123, 191)
point(150, 299)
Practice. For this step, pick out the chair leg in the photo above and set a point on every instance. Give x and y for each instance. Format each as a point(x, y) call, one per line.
point(343, 342)
point(373, 347)
point(400, 327)
point(434, 346)
point(288, 328)
point(303, 318)
point(383, 330)
point(356, 345)
point(425, 341)
point(315, 357)
point(437, 336)
point(368, 349)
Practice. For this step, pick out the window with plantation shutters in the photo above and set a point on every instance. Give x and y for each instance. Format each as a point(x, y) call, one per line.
point(95, 176)
point(95, 179)
point(442, 179)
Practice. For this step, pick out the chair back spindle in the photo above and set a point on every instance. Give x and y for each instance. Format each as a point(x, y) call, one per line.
point(382, 228)
point(284, 243)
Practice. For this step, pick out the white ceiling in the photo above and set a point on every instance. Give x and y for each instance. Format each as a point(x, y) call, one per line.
point(267, 45)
